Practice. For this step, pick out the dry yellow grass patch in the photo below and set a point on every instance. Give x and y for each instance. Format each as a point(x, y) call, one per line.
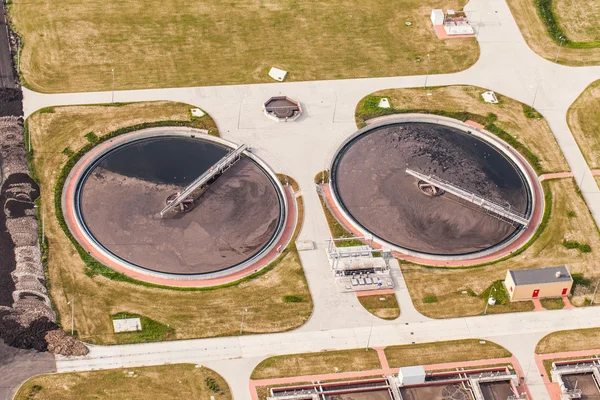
point(584, 120)
point(581, 339)
point(534, 133)
point(191, 314)
point(150, 43)
point(177, 381)
point(448, 284)
point(325, 362)
point(384, 306)
point(535, 34)
point(443, 352)
point(579, 19)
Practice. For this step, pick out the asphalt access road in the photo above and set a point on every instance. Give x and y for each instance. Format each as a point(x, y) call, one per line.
point(7, 74)
point(18, 365)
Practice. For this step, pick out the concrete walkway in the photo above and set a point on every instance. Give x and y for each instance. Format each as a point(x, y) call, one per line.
point(303, 148)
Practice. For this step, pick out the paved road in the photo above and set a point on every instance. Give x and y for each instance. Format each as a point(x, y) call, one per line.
point(303, 148)
point(18, 365)
point(7, 73)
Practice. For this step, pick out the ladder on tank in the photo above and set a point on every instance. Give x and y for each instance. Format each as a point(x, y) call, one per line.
point(199, 185)
point(488, 205)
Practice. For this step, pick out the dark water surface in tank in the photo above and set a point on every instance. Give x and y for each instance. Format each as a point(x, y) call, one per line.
point(127, 188)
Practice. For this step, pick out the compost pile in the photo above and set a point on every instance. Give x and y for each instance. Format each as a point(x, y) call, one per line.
point(29, 322)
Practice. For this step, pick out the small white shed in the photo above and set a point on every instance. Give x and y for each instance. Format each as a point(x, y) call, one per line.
point(437, 17)
point(411, 375)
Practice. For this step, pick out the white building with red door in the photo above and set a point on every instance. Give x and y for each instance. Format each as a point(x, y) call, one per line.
point(527, 284)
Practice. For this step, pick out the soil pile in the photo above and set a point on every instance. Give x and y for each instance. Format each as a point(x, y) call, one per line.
point(26, 317)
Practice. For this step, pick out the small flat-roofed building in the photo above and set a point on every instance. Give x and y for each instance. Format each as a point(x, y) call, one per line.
point(411, 375)
point(534, 283)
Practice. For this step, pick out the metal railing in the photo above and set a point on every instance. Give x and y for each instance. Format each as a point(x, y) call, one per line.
point(471, 197)
point(195, 188)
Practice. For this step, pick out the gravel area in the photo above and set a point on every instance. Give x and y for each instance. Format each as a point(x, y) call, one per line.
point(232, 221)
point(373, 186)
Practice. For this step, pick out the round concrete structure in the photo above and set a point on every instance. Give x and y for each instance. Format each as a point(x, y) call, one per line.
point(377, 197)
point(113, 196)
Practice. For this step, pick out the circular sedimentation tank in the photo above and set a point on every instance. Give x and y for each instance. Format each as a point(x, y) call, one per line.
point(370, 185)
point(121, 186)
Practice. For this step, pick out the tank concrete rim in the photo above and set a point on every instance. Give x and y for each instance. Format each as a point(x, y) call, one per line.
point(186, 132)
point(526, 171)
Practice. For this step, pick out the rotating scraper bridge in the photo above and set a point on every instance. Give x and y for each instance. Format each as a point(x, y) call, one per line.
point(191, 193)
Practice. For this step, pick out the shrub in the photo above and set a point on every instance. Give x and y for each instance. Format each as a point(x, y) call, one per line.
point(292, 298)
point(585, 248)
point(570, 244)
point(68, 152)
point(579, 279)
point(91, 137)
point(571, 214)
point(212, 384)
point(531, 112)
point(430, 298)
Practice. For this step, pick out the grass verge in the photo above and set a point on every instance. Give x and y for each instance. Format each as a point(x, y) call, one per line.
point(384, 306)
point(584, 121)
point(162, 382)
point(325, 362)
point(535, 32)
point(191, 314)
point(580, 339)
point(443, 352)
point(152, 331)
point(552, 304)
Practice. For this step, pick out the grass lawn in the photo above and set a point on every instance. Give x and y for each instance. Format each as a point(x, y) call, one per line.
point(448, 285)
point(325, 362)
point(384, 306)
point(73, 46)
point(187, 314)
point(571, 22)
point(183, 381)
point(579, 19)
point(584, 120)
point(533, 133)
point(443, 352)
point(552, 304)
point(581, 339)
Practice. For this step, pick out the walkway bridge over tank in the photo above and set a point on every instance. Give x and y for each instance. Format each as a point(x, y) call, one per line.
point(501, 212)
point(178, 203)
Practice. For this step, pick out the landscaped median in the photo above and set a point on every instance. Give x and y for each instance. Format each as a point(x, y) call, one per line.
point(273, 300)
point(584, 121)
point(441, 292)
point(176, 381)
point(572, 25)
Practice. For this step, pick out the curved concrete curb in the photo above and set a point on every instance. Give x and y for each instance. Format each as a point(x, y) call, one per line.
point(71, 212)
point(500, 250)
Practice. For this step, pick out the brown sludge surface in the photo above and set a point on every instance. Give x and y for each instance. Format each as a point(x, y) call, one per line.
point(435, 392)
point(367, 395)
point(584, 382)
point(496, 390)
point(374, 187)
point(232, 221)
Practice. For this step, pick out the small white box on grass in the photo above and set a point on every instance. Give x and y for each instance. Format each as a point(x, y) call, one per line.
point(384, 103)
point(127, 325)
point(277, 74)
point(489, 97)
point(196, 112)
